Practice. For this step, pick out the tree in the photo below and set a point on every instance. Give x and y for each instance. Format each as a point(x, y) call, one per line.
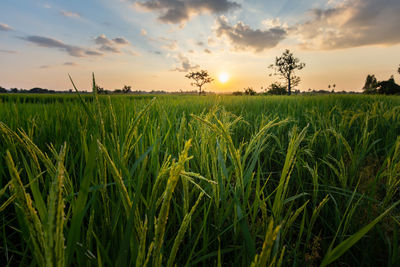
point(371, 85)
point(3, 90)
point(276, 89)
point(398, 70)
point(38, 90)
point(249, 91)
point(100, 90)
point(285, 66)
point(200, 78)
point(237, 93)
point(126, 89)
point(388, 87)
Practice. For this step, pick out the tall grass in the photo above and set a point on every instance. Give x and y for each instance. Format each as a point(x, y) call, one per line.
point(185, 180)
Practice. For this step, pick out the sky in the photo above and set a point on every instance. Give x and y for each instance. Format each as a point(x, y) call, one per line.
point(153, 44)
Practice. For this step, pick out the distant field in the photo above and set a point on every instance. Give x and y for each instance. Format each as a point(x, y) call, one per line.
point(203, 181)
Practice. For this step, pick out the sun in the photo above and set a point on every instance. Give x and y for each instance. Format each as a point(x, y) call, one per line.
point(223, 77)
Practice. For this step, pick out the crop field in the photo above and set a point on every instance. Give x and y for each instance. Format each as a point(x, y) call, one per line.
point(199, 180)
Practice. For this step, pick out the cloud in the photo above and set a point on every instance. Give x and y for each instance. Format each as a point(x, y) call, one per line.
point(120, 41)
point(93, 53)
point(74, 51)
point(143, 32)
point(7, 51)
point(208, 51)
point(243, 37)
point(211, 41)
point(180, 11)
point(112, 49)
point(102, 40)
point(184, 64)
point(275, 22)
point(5, 27)
point(164, 43)
point(70, 14)
point(352, 23)
point(132, 52)
point(70, 64)
point(168, 44)
point(44, 67)
point(108, 45)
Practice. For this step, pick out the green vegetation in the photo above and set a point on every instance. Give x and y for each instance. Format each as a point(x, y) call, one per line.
point(249, 91)
point(208, 181)
point(200, 78)
point(276, 89)
point(285, 66)
point(389, 87)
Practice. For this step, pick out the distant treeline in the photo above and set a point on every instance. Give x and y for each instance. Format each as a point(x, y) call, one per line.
point(35, 90)
point(279, 89)
point(273, 90)
point(100, 90)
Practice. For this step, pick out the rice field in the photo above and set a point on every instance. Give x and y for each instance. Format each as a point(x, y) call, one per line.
point(199, 181)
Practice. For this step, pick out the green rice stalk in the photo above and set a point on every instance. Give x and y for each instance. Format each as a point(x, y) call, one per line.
point(264, 258)
point(85, 106)
point(290, 160)
point(31, 217)
point(315, 215)
point(54, 227)
point(339, 250)
point(127, 146)
point(293, 217)
point(392, 173)
point(142, 244)
point(181, 232)
point(221, 129)
point(175, 172)
point(126, 200)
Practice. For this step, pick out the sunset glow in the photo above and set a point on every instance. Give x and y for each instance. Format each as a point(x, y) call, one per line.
point(223, 77)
